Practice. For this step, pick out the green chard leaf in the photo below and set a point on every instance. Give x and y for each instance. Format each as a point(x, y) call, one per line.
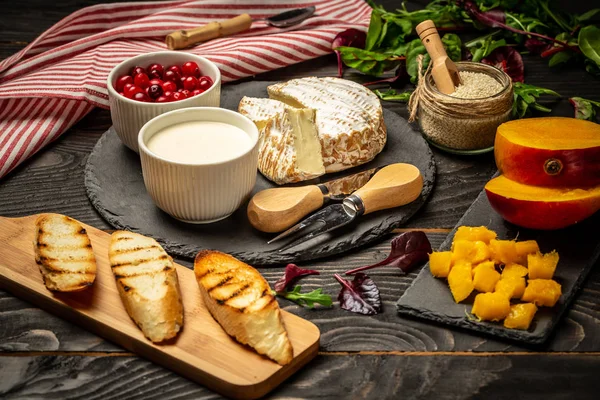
point(589, 42)
point(374, 32)
point(483, 46)
point(588, 15)
point(307, 299)
point(368, 62)
point(393, 95)
point(584, 108)
point(525, 99)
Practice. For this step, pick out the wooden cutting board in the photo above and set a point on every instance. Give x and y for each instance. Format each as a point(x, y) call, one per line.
point(202, 351)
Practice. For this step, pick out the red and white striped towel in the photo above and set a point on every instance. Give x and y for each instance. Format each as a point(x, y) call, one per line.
point(61, 76)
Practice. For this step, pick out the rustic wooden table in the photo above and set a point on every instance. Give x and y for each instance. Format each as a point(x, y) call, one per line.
point(384, 356)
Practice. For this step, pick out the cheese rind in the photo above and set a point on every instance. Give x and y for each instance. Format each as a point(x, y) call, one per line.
point(260, 111)
point(349, 118)
point(290, 150)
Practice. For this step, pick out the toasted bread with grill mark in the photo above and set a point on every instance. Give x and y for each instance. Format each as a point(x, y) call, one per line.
point(240, 299)
point(147, 283)
point(64, 254)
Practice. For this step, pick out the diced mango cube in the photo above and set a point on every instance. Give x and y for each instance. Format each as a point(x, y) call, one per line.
point(491, 306)
point(542, 292)
point(460, 281)
point(474, 233)
point(526, 247)
point(520, 316)
point(504, 251)
point(514, 271)
point(485, 277)
point(440, 263)
point(512, 287)
point(473, 252)
point(542, 266)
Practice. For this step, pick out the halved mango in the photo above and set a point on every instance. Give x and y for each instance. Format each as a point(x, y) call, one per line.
point(538, 207)
point(460, 281)
point(542, 292)
point(440, 263)
point(542, 266)
point(520, 316)
point(491, 306)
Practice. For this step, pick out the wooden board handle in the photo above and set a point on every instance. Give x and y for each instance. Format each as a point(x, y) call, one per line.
point(186, 38)
point(275, 210)
point(393, 186)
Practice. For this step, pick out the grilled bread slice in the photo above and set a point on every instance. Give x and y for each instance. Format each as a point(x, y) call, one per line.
point(147, 283)
point(240, 299)
point(64, 254)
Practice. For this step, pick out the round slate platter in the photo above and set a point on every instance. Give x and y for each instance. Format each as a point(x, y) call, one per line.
point(114, 184)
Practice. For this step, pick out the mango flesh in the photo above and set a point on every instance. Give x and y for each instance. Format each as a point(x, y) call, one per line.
point(485, 277)
point(542, 266)
point(538, 207)
point(542, 292)
point(520, 316)
point(491, 306)
point(512, 287)
point(440, 263)
point(460, 281)
point(474, 234)
point(473, 252)
point(514, 270)
point(525, 248)
point(504, 251)
point(550, 151)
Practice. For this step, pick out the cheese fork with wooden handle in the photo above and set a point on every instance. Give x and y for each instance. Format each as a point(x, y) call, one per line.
point(275, 210)
point(393, 186)
point(189, 37)
point(444, 71)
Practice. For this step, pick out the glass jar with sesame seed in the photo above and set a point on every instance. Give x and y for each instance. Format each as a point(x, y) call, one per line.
point(465, 121)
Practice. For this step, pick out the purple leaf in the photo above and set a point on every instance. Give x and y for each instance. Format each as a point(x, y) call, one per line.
point(536, 46)
point(359, 296)
point(408, 250)
point(509, 60)
point(291, 275)
point(349, 38)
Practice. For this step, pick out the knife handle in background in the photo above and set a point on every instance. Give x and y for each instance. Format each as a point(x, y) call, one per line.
point(392, 186)
point(189, 37)
point(275, 210)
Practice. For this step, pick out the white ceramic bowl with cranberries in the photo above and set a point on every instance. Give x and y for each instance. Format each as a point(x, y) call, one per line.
point(143, 87)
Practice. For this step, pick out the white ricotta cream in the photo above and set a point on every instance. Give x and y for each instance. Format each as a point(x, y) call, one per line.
point(200, 142)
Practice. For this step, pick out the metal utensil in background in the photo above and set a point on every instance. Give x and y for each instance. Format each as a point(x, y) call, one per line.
point(275, 210)
point(392, 186)
point(189, 37)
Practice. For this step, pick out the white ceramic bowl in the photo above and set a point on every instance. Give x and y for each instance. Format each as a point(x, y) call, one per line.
point(199, 193)
point(128, 116)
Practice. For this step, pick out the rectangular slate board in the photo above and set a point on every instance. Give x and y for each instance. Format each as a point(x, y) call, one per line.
point(578, 247)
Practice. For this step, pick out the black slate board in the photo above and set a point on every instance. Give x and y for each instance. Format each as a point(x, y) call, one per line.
point(578, 247)
point(114, 184)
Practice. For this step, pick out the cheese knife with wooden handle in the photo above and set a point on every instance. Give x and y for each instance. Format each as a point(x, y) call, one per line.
point(189, 37)
point(275, 210)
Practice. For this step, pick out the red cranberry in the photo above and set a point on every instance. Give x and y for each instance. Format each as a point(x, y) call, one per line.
point(156, 71)
point(168, 94)
point(127, 86)
point(121, 93)
point(197, 92)
point(178, 96)
point(133, 90)
point(122, 81)
point(169, 86)
point(162, 99)
point(154, 91)
point(187, 93)
point(141, 80)
point(172, 76)
point(190, 83)
point(176, 69)
point(141, 96)
point(156, 81)
point(204, 82)
point(190, 68)
point(137, 70)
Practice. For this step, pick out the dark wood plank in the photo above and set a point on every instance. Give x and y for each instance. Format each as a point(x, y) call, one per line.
point(465, 376)
point(26, 328)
